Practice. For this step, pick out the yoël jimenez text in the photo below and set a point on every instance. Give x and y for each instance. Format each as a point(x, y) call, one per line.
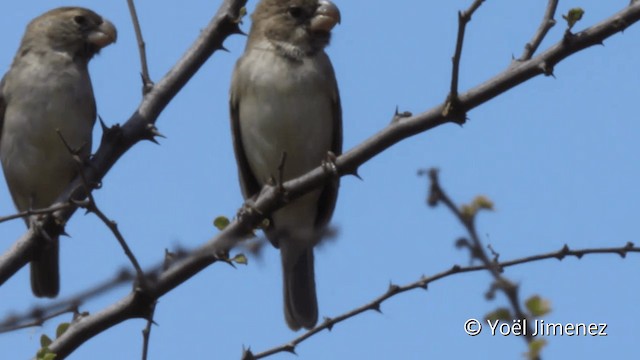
point(542, 328)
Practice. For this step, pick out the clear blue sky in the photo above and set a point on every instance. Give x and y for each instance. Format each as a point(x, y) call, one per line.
point(559, 157)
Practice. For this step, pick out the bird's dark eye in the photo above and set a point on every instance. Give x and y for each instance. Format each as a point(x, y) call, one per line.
point(295, 11)
point(80, 20)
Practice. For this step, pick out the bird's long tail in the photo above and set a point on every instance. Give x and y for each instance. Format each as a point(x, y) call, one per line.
point(300, 303)
point(45, 277)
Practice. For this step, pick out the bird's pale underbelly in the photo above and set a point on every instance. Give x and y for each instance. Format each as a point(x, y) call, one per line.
point(286, 118)
point(36, 162)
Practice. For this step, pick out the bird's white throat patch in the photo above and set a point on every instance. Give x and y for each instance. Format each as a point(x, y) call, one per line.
point(289, 50)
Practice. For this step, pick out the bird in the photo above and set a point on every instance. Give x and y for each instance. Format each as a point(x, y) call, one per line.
point(47, 100)
point(285, 104)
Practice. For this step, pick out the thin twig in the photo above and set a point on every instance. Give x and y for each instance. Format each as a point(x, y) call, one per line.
point(113, 227)
point(451, 108)
point(547, 23)
point(91, 206)
point(423, 283)
point(122, 277)
point(146, 332)
point(27, 213)
point(147, 84)
point(478, 252)
point(16, 321)
point(37, 319)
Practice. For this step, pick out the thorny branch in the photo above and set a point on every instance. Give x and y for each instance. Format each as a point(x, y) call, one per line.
point(147, 84)
point(547, 23)
point(91, 206)
point(424, 282)
point(28, 213)
point(39, 314)
point(146, 333)
point(451, 107)
point(36, 318)
point(467, 219)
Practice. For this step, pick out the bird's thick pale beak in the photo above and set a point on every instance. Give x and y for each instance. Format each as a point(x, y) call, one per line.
point(326, 17)
point(104, 35)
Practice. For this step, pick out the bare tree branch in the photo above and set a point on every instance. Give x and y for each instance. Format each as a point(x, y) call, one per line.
point(147, 84)
point(28, 213)
point(39, 314)
point(146, 334)
point(467, 219)
point(547, 23)
point(423, 283)
point(91, 206)
point(36, 318)
point(451, 108)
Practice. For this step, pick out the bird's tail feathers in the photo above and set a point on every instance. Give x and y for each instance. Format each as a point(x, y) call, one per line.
point(300, 302)
point(45, 277)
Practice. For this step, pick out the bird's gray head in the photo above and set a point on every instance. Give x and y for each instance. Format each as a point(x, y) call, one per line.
point(303, 24)
point(74, 30)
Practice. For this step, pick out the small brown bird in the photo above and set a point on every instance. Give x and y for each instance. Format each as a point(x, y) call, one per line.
point(48, 90)
point(284, 99)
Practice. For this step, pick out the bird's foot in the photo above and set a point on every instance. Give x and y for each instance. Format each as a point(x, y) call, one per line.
point(329, 164)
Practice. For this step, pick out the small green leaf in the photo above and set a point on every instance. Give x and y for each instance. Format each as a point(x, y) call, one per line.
point(61, 329)
point(45, 341)
point(573, 16)
point(468, 211)
point(221, 222)
point(240, 259)
point(44, 353)
point(502, 314)
point(538, 306)
point(241, 14)
point(49, 356)
point(482, 202)
point(535, 348)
